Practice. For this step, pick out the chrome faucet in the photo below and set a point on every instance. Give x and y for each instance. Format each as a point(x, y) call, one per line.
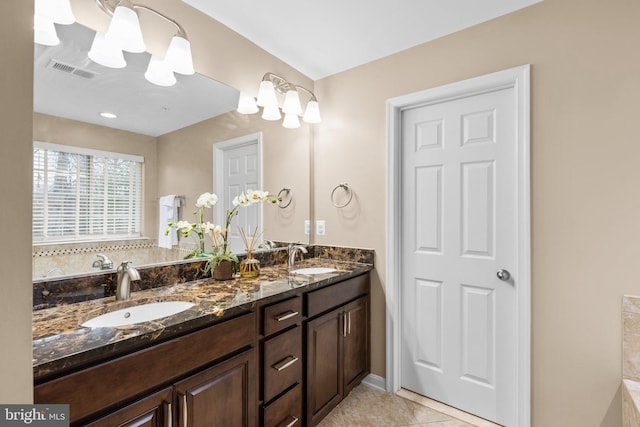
point(267, 244)
point(103, 262)
point(126, 275)
point(292, 251)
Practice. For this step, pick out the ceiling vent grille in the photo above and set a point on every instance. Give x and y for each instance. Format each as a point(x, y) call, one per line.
point(70, 69)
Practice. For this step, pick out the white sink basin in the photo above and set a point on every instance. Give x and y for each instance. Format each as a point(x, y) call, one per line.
point(314, 270)
point(138, 314)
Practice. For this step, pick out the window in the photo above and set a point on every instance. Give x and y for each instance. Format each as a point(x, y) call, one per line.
point(83, 194)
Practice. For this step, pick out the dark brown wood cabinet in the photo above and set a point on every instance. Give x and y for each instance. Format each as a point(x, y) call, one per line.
point(324, 365)
point(282, 360)
point(356, 344)
point(155, 410)
point(101, 391)
point(286, 363)
point(337, 350)
point(221, 396)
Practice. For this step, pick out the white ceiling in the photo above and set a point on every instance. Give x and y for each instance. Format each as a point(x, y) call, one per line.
point(323, 38)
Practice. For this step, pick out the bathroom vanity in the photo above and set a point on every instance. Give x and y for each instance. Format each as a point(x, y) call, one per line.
point(280, 350)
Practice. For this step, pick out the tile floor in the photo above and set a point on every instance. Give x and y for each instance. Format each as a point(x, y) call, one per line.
point(368, 406)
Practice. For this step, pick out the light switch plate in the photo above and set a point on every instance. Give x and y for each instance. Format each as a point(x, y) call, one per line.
point(320, 228)
point(307, 227)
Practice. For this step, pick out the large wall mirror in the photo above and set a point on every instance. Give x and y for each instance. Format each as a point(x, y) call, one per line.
point(174, 129)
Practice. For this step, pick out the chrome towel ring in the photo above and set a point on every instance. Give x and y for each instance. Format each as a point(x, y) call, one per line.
point(347, 190)
point(287, 194)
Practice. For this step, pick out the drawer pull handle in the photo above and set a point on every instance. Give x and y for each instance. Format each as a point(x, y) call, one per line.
point(284, 365)
point(286, 316)
point(290, 424)
point(168, 414)
point(349, 323)
point(344, 324)
point(184, 411)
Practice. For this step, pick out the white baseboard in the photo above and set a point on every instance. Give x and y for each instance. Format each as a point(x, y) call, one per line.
point(376, 381)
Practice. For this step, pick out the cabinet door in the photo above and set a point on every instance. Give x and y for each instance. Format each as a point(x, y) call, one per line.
point(223, 395)
point(152, 411)
point(356, 343)
point(324, 365)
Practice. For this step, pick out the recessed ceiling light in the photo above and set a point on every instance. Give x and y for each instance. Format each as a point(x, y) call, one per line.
point(108, 115)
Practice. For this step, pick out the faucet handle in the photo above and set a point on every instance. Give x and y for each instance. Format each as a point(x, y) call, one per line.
point(125, 264)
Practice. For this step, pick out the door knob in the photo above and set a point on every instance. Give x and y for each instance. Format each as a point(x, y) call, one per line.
point(503, 275)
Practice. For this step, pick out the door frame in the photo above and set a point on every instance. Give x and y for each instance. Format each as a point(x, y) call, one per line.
point(219, 149)
point(517, 78)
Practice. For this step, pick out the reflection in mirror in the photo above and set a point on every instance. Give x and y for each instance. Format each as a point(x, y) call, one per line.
point(68, 84)
point(168, 127)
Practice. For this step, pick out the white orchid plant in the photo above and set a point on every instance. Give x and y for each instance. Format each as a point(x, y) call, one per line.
point(217, 234)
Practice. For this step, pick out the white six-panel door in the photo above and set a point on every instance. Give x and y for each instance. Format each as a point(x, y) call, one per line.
point(237, 168)
point(458, 229)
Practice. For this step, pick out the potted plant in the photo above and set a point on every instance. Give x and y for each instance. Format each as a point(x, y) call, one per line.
point(222, 261)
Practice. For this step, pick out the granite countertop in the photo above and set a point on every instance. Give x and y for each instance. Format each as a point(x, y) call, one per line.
point(60, 344)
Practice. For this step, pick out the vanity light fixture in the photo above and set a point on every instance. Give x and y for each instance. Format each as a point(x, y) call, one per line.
point(270, 86)
point(48, 12)
point(123, 34)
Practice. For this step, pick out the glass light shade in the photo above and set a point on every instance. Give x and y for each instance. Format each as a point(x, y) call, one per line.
point(292, 103)
point(105, 53)
point(267, 95)
point(291, 121)
point(59, 11)
point(159, 72)
point(124, 30)
point(312, 113)
point(271, 113)
point(247, 104)
point(179, 56)
point(44, 32)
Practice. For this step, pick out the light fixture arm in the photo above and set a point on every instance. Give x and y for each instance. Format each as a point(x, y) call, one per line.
point(304, 89)
point(281, 85)
point(109, 10)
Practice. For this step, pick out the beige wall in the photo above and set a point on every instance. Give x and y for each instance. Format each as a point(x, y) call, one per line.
point(80, 134)
point(585, 205)
point(16, 86)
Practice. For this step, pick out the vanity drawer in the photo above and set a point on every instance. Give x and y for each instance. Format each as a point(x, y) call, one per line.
point(281, 315)
point(335, 295)
point(286, 411)
point(282, 362)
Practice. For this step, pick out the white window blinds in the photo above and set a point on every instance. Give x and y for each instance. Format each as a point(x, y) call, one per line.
point(82, 194)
